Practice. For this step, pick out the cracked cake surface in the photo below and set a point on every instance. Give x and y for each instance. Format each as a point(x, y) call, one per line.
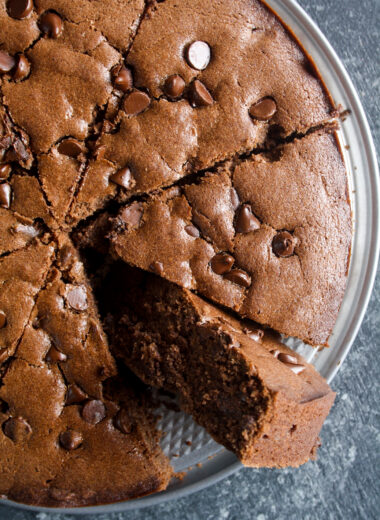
point(268, 237)
point(197, 136)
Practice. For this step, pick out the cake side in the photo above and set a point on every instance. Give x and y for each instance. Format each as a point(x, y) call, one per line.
point(252, 394)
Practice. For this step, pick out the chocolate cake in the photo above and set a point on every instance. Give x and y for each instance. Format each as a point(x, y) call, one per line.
point(197, 136)
point(252, 393)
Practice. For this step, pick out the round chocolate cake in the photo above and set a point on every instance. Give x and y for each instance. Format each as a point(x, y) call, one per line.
point(169, 172)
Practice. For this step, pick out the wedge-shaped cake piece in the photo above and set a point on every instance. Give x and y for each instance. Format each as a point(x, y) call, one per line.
point(252, 394)
point(269, 237)
point(203, 83)
point(65, 438)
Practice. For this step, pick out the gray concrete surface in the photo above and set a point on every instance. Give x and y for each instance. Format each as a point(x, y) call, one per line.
point(344, 482)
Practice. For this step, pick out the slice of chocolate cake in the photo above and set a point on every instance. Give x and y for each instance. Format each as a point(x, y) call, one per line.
point(268, 237)
point(70, 433)
point(252, 393)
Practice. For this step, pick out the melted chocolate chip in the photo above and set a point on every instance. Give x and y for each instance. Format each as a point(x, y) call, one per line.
point(246, 220)
point(297, 369)
point(283, 244)
point(198, 55)
point(174, 86)
point(75, 395)
point(7, 62)
point(17, 429)
point(77, 298)
point(222, 263)
point(70, 440)
point(123, 422)
point(3, 319)
point(123, 178)
point(264, 109)
point(287, 358)
point(255, 334)
point(51, 24)
point(192, 231)
point(70, 147)
point(132, 215)
point(239, 277)
point(199, 95)
point(5, 195)
point(19, 9)
point(55, 356)
point(234, 199)
point(93, 411)
point(5, 170)
point(122, 78)
point(157, 268)
point(136, 102)
point(22, 69)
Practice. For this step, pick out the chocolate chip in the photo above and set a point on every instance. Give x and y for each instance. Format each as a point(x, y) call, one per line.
point(77, 298)
point(198, 55)
point(174, 86)
point(70, 440)
point(234, 199)
point(199, 95)
point(23, 68)
point(93, 411)
point(55, 356)
point(5, 195)
point(136, 102)
point(5, 170)
point(283, 244)
point(123, 177)
point(123, 422)
point(19, 8)
point(3, 355)
point(222, 263)
point(192, 231)
point(122, 78)
point(287, 358)
point(239, 277)
point(51, 24)
point(7, 62)
point(263, 109)
point(246, 220)
point(157, 267)
point(70, 147)
point(17, 429)
point(255, 334)
point(297, 369)
point(132, 215)
point(75, 395)
point(66, 257)
point(19, 152)
point(3, 319)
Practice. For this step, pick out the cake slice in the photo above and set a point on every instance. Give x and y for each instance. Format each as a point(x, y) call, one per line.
point(254, 395)
point(268, 237)
point(70, 433)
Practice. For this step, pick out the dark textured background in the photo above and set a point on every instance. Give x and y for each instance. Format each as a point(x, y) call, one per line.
point(344, 482)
